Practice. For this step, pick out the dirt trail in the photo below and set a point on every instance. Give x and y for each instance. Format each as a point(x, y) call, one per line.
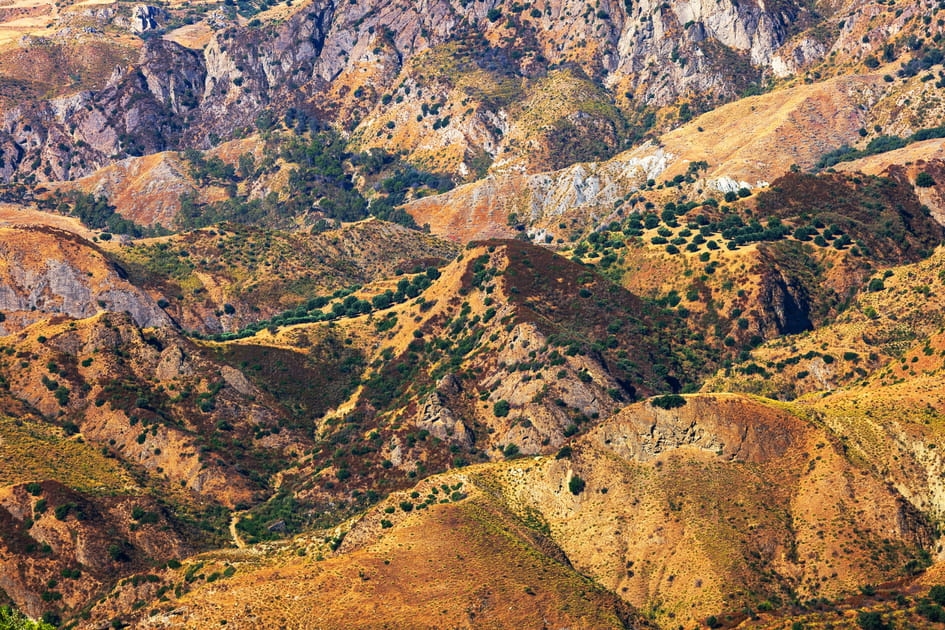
point(235, 534)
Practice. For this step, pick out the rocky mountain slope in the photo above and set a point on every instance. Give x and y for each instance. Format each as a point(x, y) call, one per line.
point(471, 313)
point(47, 271)
point(456, 85)
point(613, 506)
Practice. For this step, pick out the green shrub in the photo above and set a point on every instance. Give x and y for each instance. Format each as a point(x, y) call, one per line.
point(501, 408)
point(932, 612)
point(669, 401)
point(12, 619)
point(937, 594)
point(576, 485)
point(118, 552)
point(871, 621)
point(62, 511)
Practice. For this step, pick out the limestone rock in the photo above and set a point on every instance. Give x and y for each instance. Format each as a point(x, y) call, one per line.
point(146, 18)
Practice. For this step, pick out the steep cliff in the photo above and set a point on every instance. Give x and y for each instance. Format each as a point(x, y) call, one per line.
point(45, 271)
point(371, 68)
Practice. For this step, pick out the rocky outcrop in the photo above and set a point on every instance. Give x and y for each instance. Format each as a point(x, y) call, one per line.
point(315, 61)
point(704, 423)
point(146, 18)
point(436, 417)
point(141, 110)
point(54, 539)
point(44, 271)
point(784, 305)
point(585, 193)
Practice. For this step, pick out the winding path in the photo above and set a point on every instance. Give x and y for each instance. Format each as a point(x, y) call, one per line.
point(234, 533)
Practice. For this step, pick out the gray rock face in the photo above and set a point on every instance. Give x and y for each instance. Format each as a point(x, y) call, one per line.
point(235, 379)
point(173, 364)
point(643, 432)
point(146, 18)
point(658, 51)
point(47, 272)
point(138, 112)
point(436, 418)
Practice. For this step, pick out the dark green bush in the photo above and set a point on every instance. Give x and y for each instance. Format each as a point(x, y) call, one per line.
point(871, 621)
point(669, 401)
point(937, 594)
point(576, 485)
point(932, 612)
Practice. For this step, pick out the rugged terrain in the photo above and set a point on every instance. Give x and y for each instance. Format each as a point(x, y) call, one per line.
point(476, 314)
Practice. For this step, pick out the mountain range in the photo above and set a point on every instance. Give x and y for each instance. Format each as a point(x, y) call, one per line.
point(472, 314)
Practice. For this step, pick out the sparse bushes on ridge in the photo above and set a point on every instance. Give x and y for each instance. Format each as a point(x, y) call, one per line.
point(669, 401)
point(880, 144)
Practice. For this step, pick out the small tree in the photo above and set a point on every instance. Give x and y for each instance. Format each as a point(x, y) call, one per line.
point(576, 485)
point(871, 621)
point(501, 408)
point(924, 180)
point(118, 551)
point(937, 594)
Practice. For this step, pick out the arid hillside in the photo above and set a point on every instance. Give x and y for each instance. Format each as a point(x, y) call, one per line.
point(472, 313)
point(790, 524)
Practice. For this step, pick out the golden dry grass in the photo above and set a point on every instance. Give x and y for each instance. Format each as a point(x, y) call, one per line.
point(31, 451)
